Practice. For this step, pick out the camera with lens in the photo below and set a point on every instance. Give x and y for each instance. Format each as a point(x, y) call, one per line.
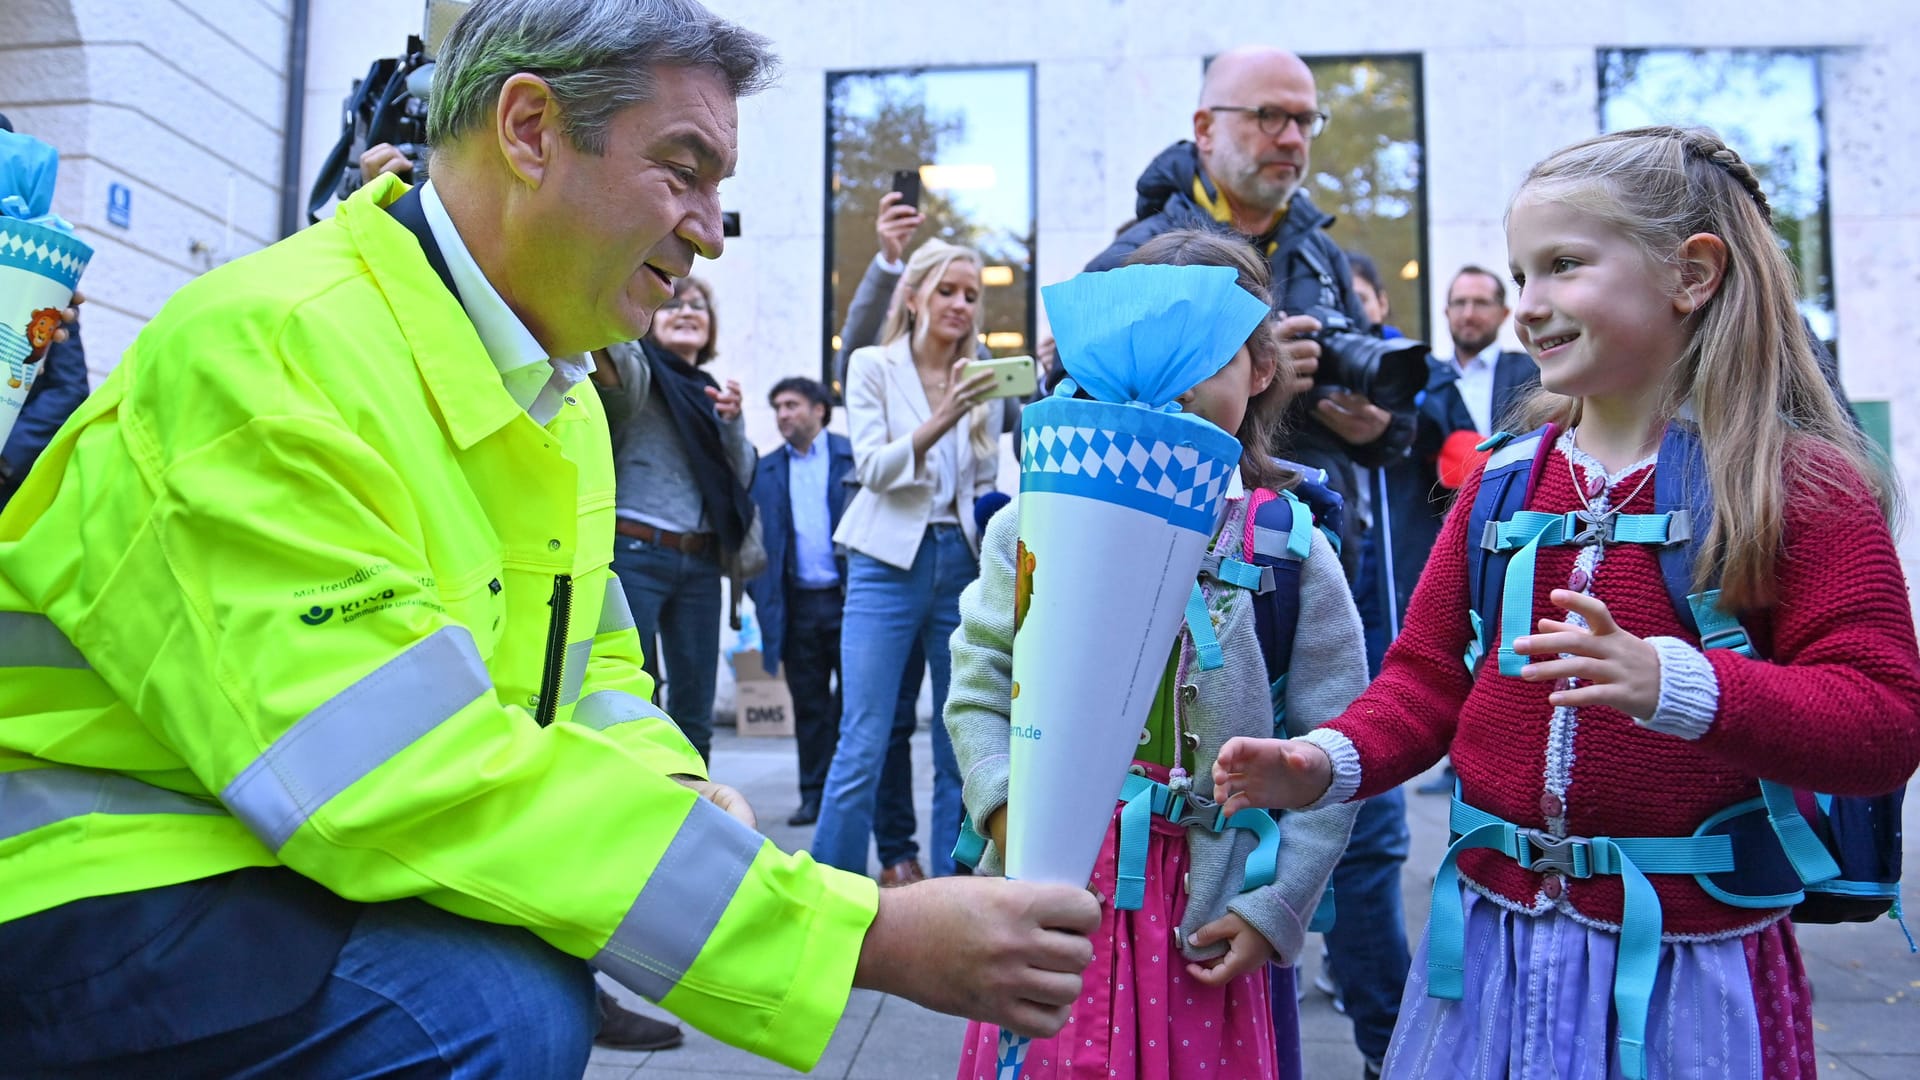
point(388, 105)
point(1390, 372)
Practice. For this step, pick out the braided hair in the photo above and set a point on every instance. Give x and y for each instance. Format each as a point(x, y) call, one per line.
point(1747, 370)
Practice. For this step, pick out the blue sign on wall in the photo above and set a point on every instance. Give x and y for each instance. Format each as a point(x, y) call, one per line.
point(119, 205)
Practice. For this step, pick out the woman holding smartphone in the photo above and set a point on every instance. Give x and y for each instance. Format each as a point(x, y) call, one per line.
point(924, 448)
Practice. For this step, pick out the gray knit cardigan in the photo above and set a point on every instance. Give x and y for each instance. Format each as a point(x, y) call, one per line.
point(1329, 669)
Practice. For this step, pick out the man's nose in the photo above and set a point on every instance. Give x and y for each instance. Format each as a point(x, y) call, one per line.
point(702, 226)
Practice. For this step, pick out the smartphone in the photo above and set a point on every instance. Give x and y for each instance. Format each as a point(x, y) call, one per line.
point(1012, 377)
point(907, 183)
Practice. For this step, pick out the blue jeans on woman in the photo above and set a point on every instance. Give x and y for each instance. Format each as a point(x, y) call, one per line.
point(677, 596)
point(888, 610)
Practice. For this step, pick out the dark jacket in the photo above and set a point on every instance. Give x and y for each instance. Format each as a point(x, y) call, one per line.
point(1310, 274)
point(1415, 498)
point(775, 504)
point(58, 389)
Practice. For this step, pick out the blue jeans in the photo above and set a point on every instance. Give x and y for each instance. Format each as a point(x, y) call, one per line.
point(888, 610)
point(895, 820)
point(415, 992)
point(677, 596)
point(1368, 943)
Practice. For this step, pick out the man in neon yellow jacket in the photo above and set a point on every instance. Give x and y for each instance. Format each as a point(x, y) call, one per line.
point(316, 692)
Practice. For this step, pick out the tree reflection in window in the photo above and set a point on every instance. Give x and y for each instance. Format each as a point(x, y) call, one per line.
point(1766, 104)
point(1369, 172)
point(974, 127)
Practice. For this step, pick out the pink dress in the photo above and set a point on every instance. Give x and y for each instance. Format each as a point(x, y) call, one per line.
point(1142, 1016)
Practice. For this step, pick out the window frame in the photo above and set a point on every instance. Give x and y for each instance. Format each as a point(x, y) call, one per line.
point(830, 313)
point(1423, 234)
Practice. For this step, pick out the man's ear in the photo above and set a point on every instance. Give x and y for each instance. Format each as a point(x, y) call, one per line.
point(1203, 130)
point(1702, 261)
point(527, 127)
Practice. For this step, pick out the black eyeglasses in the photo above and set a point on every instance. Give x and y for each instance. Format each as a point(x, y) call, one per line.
point(1274, 120)
point(689, 303)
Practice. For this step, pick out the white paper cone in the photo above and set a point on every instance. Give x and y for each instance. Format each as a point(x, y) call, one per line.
point(39, 268)
point(1117, 506)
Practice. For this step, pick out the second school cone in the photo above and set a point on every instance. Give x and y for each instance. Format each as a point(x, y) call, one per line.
point(1117, 506)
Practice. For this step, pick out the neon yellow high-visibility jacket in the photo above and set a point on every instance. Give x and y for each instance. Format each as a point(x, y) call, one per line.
point(299, 585)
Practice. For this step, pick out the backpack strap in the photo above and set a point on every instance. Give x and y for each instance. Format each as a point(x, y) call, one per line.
point(1506, 482)
point(1680, 486)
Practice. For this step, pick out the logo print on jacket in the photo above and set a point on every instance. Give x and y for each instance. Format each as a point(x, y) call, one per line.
point(316, 615)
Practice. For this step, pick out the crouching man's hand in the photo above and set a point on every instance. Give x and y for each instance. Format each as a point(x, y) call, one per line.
point(1009, 953)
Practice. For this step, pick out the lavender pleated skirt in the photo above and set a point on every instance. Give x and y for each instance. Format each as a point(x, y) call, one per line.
point(1539, 997)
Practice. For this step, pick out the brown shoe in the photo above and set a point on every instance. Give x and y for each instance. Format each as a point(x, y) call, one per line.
point(905, 872)
point(622, 1029)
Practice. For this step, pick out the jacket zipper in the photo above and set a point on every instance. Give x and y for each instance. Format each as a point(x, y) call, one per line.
point(562, 604)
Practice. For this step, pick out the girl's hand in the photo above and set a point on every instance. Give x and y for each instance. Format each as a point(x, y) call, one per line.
point(726, 403)
point(1284, 774)
point(1246, 950)
point(1620, 671)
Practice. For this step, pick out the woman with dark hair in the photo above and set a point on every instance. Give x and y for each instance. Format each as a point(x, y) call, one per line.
point(682, 466)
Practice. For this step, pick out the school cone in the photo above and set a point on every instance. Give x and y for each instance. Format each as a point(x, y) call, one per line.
point(1119, 499)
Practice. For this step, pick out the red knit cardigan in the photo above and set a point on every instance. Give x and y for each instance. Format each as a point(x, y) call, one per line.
point(1836, 709)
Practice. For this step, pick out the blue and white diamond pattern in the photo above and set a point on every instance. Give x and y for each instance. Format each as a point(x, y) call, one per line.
point(1176, 473)
point(57, 260)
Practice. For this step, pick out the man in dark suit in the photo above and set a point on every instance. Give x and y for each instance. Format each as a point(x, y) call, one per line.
point(801, 492)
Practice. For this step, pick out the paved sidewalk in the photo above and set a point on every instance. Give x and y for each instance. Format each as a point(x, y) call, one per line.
point(1867, 986)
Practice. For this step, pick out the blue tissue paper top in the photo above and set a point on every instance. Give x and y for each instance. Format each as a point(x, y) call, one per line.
point(1147, 334)
point(28, 168)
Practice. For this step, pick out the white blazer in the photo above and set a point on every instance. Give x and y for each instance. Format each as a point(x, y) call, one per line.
point(885, 403)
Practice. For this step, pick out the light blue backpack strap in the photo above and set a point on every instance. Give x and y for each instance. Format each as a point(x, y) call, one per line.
point(1247, 576)
point(1263, 862)
point(970, 847)
point(1638, 961)
point(1804, 850)
point(1136, 825)
point(1477, 645)
point(1206, 645)
point(1300, 536)
point(1718, 630)
point(1529, 529)
point(1447, 918)
point(1323, 914)
point(1277, 693)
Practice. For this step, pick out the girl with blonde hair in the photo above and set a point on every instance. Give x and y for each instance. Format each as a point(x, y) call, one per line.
point(1589, 922)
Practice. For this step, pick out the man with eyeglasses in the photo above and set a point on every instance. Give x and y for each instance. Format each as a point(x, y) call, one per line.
point(1258, 114)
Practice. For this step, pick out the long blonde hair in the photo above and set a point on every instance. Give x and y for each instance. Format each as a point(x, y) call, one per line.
point(1747, 370)
point(925, 267)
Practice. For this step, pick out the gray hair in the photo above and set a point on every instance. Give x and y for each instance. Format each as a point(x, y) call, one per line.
point(598, 56)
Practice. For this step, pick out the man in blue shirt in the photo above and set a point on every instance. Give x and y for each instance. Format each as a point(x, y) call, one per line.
point(800, 491)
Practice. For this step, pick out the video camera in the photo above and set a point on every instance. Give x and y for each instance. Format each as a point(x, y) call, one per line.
point(1390, 372)
point(388, 105)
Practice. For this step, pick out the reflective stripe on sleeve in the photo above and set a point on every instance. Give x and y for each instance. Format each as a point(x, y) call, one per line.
point(29, 639)
point(35, 798)
point(614, 612)
point(574, 672)
point(681, 903)
point(356, 732)
point(602, 709)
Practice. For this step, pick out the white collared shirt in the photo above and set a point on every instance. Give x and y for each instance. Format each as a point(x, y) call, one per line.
point(536, 382)
point(1476, 385)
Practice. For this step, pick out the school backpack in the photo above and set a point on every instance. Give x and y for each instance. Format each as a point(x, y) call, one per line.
point(1831, 858)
